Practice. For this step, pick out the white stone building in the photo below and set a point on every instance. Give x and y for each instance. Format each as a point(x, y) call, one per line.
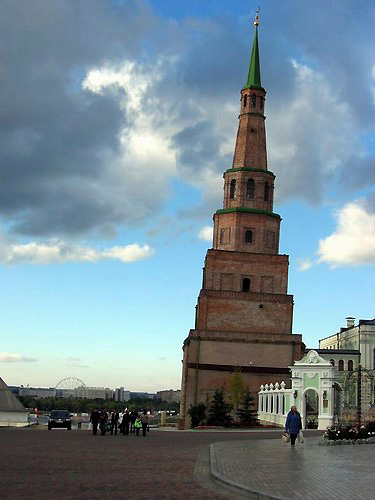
point(359, 338)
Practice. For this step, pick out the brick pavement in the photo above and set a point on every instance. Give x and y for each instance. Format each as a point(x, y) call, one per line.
point(271, 469)
point(41, 464)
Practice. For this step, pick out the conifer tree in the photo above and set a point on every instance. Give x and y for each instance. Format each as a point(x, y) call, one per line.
point(246, 413)
point(219, 411)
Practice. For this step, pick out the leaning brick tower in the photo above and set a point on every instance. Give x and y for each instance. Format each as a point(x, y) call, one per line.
point(244, 313)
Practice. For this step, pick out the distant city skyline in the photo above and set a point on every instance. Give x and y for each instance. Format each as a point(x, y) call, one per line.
point(117, 122)
point(87, 392)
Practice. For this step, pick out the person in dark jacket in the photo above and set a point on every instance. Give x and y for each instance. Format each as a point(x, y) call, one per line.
point(293, 424)
point(103, 417)
point(114, 421)
point(125, 423)
point(94, 419)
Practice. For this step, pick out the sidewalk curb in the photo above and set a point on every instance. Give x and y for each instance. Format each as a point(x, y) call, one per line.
point(220, 478)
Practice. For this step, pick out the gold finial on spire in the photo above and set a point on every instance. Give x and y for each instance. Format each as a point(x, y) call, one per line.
point(256, 22)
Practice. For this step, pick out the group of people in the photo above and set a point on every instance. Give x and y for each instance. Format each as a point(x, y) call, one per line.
point(125, 422)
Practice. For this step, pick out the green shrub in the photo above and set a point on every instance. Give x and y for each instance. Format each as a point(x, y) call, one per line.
point(197, 414)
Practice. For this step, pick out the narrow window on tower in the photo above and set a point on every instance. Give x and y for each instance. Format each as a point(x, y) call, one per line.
point(270, 239)
point(246, 285)
point(341, 365)
point(244, 101)
point(248, 236)
point(232, 190)
point(350, 365)
point(266, 192)
point(250, 188)
point(261, 102)
point(253, 100)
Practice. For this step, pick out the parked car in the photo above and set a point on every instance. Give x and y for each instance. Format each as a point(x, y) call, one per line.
point(60, 418)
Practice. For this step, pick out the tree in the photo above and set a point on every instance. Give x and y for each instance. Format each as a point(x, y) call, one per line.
point(246, 413)
point(237, 388)
point(219, 411)
point(197, 414)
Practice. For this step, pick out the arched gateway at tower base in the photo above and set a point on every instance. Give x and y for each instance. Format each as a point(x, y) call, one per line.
point(244, 312)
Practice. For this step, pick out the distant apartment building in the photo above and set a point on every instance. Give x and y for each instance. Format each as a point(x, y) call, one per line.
point(170, 395)
point(121, 394)
point(37, 392)
point(83, 392)
point(90, 392)
point(109, 393)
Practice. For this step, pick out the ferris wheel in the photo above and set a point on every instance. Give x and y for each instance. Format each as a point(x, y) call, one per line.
point(70, 383)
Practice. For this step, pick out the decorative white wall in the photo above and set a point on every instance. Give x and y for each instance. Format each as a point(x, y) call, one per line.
point(311, 373)
point(274, 403)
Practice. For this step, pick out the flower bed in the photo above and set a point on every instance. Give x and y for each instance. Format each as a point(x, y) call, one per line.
point(349, 434)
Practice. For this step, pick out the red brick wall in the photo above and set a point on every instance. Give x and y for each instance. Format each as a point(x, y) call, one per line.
point(241, 264)
point(240, 200)
point(260, 316)
point(250, 149)
point(238, 222)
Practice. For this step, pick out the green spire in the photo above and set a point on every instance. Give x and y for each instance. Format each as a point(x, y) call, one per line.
point(253, 79)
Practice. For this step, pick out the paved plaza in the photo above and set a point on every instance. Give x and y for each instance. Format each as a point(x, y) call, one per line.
point(272, 469)
point(61, 464)
point(41, 464)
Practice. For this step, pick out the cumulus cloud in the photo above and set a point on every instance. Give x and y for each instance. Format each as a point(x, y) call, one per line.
point(311, 136)
point(206, 233)
point(7, 357)
point(67, 157)
point(353, 241)
point(111, 111)
point(92, 141)
point(60, 252)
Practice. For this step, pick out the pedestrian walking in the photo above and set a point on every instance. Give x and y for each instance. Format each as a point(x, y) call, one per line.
point(114, 421)
point(293, 424)
point(145, 422)
point(94, 419)
point(79, 422)
point(103, 418)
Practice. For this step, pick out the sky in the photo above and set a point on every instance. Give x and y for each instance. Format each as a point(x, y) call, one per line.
point(117, 121)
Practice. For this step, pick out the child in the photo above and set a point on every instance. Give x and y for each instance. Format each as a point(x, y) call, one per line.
point(137, 425)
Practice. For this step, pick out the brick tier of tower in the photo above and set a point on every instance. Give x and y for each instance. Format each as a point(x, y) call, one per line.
point(244, 313)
